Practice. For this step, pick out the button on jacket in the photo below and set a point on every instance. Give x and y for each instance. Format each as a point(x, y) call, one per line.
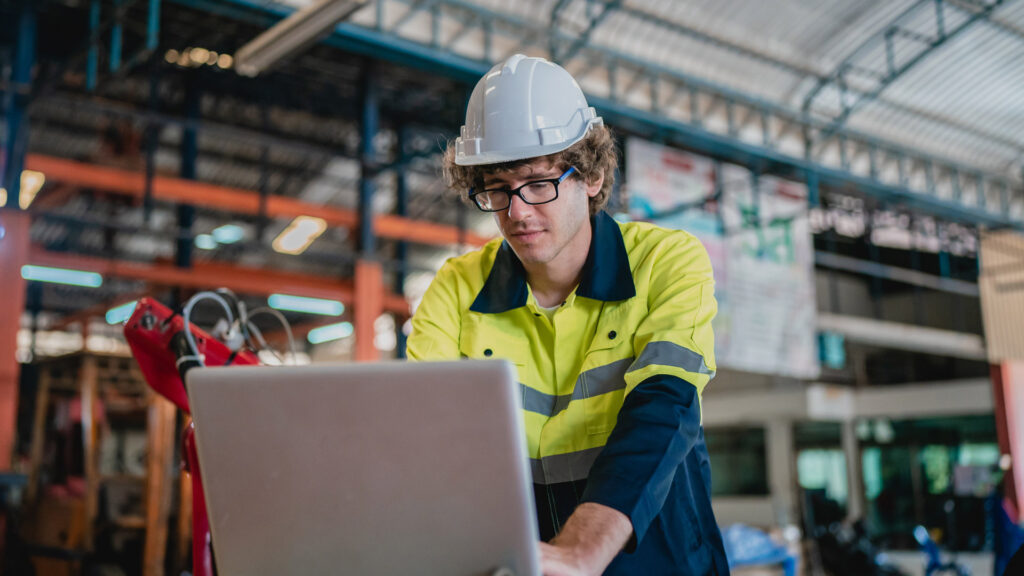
point(610, 383)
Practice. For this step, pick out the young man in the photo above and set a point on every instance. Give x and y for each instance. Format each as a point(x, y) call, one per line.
point(608, 324)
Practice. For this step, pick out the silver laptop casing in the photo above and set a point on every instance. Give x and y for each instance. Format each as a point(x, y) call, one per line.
point(390, 468)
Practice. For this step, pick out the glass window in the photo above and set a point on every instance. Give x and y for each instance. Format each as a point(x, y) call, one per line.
point(738, 461)
point(824, 469)
point(935, 472)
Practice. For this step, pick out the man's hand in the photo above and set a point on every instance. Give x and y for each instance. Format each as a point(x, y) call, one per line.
point(588, 542)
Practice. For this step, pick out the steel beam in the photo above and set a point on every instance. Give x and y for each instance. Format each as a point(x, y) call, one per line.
point(913, 48)
point(237, 200)
point(367, 307)
point(189, 155)
point(14, 227)
point(392, 46)
point(14, 249)
point(207, 275)
point(116, 37)
point(603, 10)
point(14, 144)
point(369, 274)
point(904, 336)
point(402, 249)
point(897, 274)
point(93, 57)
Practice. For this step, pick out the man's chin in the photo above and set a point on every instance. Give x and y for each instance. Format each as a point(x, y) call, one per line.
point(529, 253)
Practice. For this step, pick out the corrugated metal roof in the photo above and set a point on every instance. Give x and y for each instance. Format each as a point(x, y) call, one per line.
point(961, 101)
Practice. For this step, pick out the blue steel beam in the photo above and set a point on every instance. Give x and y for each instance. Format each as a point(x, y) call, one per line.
point(92, 60)
point(402, 248)
point(184, 247)
point(15, 138)
point(919, 45)
point(369, 126)
point(116, 37)
point(805, 72)
point(602, 11)
point(116, 23)
point(613, 60)
point(153, 26)
point(389, 46)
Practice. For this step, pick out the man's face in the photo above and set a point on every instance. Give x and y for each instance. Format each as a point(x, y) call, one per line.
point(540, 233)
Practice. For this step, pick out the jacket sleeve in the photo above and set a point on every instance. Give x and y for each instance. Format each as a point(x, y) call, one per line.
point(436, 324)
point(660, 418)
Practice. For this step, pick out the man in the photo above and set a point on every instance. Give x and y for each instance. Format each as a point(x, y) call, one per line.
point(608, 324)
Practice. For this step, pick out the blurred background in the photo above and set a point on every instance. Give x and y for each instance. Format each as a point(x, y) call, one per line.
point(854, 168)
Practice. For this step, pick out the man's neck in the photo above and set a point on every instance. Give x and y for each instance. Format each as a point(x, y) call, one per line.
point(553, 281)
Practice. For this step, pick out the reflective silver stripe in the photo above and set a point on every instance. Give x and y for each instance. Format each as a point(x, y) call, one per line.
point(671, 354)
point(563, 467)
point(593, 382)
point(536, 401)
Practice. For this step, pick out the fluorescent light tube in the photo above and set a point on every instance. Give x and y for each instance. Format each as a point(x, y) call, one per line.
point(121, 314)
point(228, 234)
point(330, 332)
point(205, 242)
point(293, 34)
point(299, 235)
point(320, 306)
point(61, 276)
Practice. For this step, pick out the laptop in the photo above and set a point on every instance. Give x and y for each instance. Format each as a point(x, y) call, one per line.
point(388, 468)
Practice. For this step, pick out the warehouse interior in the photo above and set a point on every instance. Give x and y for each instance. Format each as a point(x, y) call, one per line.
point(855, 170)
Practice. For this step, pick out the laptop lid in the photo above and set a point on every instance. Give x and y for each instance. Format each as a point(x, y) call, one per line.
point(389, 468)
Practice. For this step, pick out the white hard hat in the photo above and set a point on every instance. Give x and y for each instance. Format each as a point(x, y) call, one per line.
point(523, 108)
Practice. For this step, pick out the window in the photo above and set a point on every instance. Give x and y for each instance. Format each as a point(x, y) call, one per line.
point(738, 461)
point(824, 470)
point(936, 472)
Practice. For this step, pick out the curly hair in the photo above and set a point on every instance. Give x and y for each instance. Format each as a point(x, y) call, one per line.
point(594, 156)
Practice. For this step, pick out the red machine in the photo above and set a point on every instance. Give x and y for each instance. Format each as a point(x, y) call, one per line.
point(158, 341)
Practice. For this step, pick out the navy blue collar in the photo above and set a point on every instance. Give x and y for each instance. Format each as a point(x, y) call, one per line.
point(606, 273)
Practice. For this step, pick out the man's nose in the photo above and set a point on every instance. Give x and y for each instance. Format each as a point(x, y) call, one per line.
point(517, 208)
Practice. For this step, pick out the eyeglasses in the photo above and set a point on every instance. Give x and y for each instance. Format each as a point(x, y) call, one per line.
point(533, 193)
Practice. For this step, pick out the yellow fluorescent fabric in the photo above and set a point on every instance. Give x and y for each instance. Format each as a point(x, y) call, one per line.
point(576, 368)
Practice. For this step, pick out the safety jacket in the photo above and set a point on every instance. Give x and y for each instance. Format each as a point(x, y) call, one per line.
point(638, 323)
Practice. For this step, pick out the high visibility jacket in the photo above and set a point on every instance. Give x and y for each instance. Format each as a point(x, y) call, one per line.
point(636, 330)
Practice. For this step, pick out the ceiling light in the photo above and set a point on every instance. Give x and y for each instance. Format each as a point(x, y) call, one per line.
point(205, 242)
point(199, 55)
point(225, 61)
point(171, 56)
point(31, 183)
point(228, 234)
point(330, 332)
point(121, 314)
point(61, 276)
point(307, 305)
point(298, 235)
point(293, 34)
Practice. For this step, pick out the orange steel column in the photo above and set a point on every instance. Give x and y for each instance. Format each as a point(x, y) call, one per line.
point(14, 240)
point(368, 306)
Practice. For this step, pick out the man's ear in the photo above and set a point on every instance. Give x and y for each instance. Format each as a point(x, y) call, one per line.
point(594, 187)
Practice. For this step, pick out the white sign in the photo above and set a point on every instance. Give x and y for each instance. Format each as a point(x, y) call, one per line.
point(661, 179)
point(760, 247)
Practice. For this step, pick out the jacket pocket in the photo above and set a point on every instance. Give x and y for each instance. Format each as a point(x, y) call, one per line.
point(480, 341)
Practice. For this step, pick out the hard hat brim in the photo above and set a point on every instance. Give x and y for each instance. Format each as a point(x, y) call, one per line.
point(524, 153)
